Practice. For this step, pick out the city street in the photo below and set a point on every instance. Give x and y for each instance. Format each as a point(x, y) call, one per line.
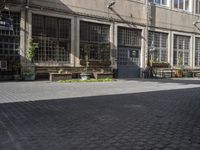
point(120, 115)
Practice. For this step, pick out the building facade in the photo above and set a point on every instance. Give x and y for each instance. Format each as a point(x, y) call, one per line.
point(114, 35)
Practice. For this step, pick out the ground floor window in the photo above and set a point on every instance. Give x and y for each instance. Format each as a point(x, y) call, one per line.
point(181, 50)
point(94, 41)
point(9, 46)
point(54, 38)
point(158, 46)
point(197, 52)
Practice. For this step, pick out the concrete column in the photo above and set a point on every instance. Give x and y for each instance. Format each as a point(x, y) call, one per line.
point(113, 46)
point(22, 36)
point(169, 50)
point(28, 28)
point(171, 55)
point(192, 51)
point(143, 51)
point(77, 48)
point(73, 42)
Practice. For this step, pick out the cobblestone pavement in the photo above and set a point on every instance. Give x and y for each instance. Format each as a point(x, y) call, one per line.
point(148, 119)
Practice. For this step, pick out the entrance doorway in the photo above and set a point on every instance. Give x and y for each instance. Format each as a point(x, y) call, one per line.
point(128, 54)
point(128, 62)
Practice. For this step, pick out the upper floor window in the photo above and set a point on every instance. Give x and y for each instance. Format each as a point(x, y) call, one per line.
point(160, 2)
point(198, 6)
point(182, 4)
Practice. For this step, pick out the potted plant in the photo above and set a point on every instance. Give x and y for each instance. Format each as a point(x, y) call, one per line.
point(29, 69)
point(28, 74)
point(17, 68)
point(178, 68)
point(85, 75)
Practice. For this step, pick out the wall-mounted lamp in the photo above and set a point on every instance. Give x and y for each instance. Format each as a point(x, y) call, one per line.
point(111, 4)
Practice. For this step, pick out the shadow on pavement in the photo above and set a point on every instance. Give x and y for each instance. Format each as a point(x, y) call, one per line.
point(174, 80)
point(152, 120)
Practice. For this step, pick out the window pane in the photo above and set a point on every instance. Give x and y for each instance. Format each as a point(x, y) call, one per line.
point(198, 6)
point(164, 2)
point(175, 3)
point(51, 27)
point(181, 4)
point(186, 4)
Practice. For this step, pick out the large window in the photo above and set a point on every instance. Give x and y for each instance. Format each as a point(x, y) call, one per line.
point(158, 45)
point(198, 6)
point(197, 52)
point(54, 38)
point(181, 50)
point(182, 4)
point(9, 43)
point(160, 2)
point(94, 41)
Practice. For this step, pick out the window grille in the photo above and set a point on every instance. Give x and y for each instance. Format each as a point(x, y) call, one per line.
point(94, 41)
point(158, 42)
point(129, 37)
point(181, 50)
point(9, 43)
point(54, 38)
point(197, 52)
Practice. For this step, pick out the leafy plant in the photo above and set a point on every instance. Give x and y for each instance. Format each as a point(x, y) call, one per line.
point(27, 72)
point(31, 50)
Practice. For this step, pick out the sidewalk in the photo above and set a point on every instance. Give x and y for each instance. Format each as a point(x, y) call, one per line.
point(44, 90)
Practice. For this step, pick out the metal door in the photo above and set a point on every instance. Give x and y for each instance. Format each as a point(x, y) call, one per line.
point(128, 62)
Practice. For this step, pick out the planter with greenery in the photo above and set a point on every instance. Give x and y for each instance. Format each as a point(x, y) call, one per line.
point(91, 80)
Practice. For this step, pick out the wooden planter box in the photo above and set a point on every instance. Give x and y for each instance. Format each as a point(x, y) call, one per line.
point(99, 75)
point(160, 65)
point(60, 76)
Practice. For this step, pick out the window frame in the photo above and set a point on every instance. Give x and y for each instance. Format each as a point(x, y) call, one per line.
point(184, 5)
point(181, 47)
point(99, 41)
point(159, 48)
point(49, 50)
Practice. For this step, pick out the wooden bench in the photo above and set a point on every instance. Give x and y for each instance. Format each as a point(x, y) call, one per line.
point(59, 76)
point(101, 75)
point(196, 73)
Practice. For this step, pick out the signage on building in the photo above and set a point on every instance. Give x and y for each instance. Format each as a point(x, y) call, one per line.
point(6, 23)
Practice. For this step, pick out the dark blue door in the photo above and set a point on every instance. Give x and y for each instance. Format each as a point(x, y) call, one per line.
point(128, 62)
